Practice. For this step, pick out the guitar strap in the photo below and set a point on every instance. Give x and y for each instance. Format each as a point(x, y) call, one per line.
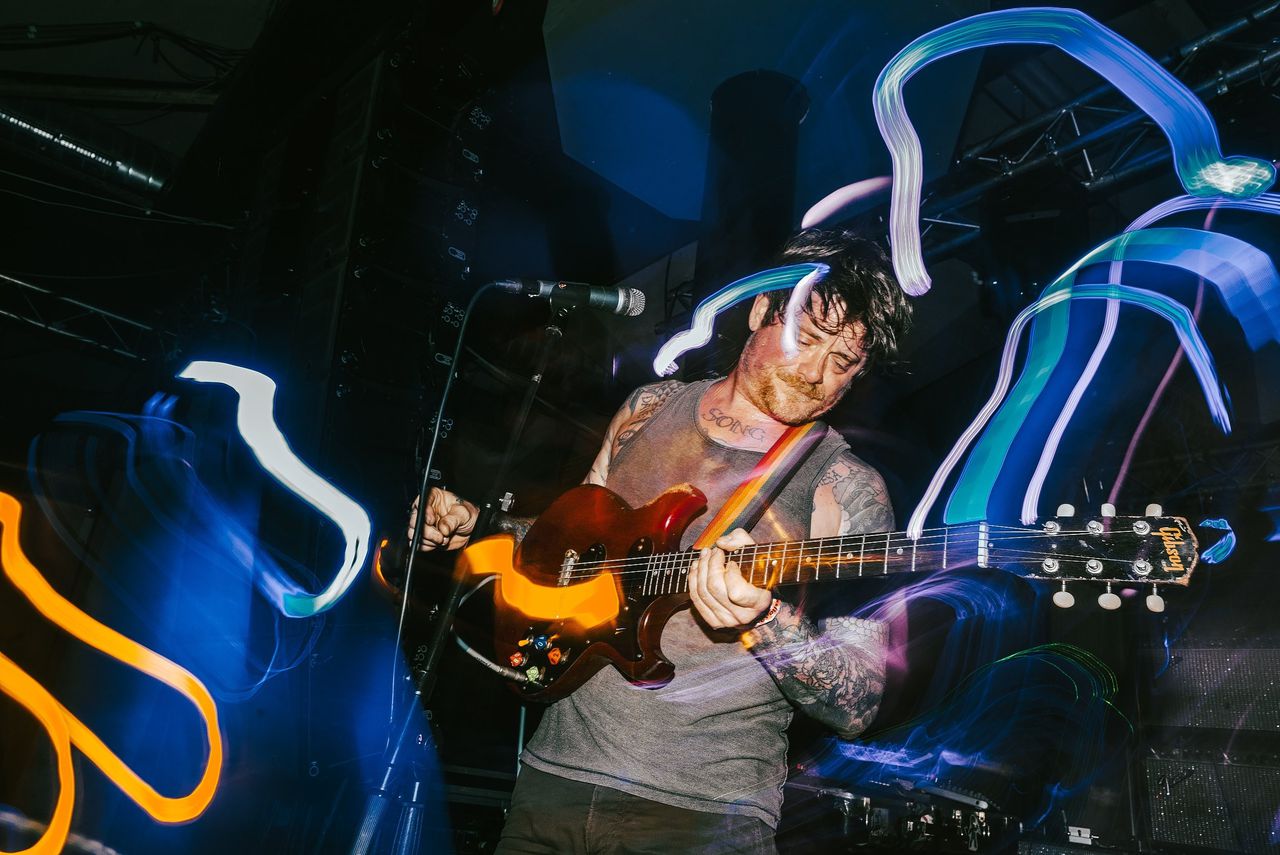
point(763, 483)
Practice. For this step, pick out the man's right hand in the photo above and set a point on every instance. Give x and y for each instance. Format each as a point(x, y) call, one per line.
point(448, 523)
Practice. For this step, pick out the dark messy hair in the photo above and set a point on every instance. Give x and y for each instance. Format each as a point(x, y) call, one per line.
point(861, 279)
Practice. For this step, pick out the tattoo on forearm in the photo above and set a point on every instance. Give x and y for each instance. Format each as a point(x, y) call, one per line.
point(732, 424)
point(836, 674)
point(518, 526)
point(644, 403)
point(860, 493)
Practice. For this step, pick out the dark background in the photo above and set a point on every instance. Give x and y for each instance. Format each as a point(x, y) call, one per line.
point(317, 188)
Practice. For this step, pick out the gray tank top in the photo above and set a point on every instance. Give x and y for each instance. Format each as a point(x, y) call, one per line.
point(714, 738)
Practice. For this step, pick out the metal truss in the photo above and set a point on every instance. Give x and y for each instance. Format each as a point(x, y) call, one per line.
point(1095, 143)
point(63, 316)
point(1222, 472)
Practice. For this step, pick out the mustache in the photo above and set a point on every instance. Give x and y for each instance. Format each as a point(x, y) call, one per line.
point(810, 390)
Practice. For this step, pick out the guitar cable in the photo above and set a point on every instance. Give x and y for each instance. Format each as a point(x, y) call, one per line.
point(497, 668)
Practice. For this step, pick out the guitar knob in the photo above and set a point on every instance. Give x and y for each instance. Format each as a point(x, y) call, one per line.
point(1155, 602)
point(516, 659)
point(554, 655)
point(1109, 601)
point(540, 642)
point(533, 673)
point(1063, 599)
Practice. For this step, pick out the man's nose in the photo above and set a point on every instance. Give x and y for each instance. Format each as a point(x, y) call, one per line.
point(811, 370)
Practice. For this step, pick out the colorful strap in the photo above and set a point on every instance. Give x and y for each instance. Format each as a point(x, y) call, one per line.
point(763, 483)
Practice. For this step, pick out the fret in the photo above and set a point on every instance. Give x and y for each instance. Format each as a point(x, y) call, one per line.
point(840, 556)
point(888, 536)
point(862, 554)
point(817, 562)
point(945, 532)
point(913, 556)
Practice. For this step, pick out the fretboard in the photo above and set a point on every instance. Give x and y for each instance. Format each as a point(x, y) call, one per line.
point(831, 559)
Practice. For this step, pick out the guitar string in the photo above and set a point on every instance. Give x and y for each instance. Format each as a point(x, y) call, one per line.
point(682, 569)
point(679, 561)
point(963, 538)
point(858, 540)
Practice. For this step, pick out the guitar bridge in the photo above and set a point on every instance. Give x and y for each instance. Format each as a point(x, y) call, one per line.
point(566, 567)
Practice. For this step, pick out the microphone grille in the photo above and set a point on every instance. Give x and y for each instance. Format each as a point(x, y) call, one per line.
point(634, 303)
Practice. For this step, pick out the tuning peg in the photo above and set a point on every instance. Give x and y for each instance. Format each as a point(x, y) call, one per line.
point(1065, 510)
point(1107, 510)
point(1155, 602)
point(1154, 510)
point(1109, 601)
point(1063, 599)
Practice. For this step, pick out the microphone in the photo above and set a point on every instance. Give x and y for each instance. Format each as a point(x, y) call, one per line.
point(619, 301)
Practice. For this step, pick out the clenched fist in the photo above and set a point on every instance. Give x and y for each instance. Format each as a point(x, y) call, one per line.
point(448, 523)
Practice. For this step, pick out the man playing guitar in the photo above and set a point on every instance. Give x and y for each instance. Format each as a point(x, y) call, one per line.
point(698, 764)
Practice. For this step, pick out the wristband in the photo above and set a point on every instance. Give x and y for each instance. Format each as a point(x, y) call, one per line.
point(774, 608)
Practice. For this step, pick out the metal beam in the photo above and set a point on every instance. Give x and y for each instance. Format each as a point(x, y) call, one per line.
point(63, 316)
point(1047, 117)
point(115, 91)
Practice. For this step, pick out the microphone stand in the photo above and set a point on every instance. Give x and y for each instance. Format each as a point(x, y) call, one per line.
point(403, 778)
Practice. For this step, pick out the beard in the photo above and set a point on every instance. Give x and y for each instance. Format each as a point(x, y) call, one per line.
point(781, 393)
point(789, 399)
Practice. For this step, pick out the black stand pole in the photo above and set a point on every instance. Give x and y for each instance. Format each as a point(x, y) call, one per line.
point(403, 780)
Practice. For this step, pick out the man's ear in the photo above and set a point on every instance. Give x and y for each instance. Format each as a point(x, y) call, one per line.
point(759, 309)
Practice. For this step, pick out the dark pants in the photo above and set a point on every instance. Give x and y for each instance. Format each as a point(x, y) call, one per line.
point(551, 815)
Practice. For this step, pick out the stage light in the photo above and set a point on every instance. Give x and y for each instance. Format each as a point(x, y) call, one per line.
point(1192, 134)
point(699, 332)
point(255, 417)
point(60, 611)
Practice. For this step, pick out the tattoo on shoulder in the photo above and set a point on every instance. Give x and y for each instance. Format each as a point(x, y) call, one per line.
point(861, 495)
point(643, 404)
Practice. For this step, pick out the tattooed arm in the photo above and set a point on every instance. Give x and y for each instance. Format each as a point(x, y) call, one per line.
point(833, 669)
point(641, 406)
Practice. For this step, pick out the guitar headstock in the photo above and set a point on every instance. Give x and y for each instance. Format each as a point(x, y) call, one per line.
point(1153, 549)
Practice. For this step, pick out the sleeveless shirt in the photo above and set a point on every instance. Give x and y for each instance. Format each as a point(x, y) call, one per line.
point(714, 738)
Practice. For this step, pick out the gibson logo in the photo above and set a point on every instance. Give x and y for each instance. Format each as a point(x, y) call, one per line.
point(1171, 537)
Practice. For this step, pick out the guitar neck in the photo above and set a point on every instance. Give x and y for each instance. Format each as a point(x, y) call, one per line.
point(831, 559)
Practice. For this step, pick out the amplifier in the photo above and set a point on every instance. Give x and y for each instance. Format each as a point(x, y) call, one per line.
point(1213, 804)
point(1217, 687)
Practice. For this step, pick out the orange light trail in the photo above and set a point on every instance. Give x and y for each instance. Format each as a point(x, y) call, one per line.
point(63, 726)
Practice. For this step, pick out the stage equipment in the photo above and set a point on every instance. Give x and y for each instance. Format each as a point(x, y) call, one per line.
point(1212, 801)
point(79, 321)
point(402, 777)
point(1186, 123)
point(255, 417)
point(568, 295)
point(890, 817)
point(1225, 688)
point(597, 580)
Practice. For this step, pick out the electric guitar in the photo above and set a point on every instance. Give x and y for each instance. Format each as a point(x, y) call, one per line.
point(594, 581)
